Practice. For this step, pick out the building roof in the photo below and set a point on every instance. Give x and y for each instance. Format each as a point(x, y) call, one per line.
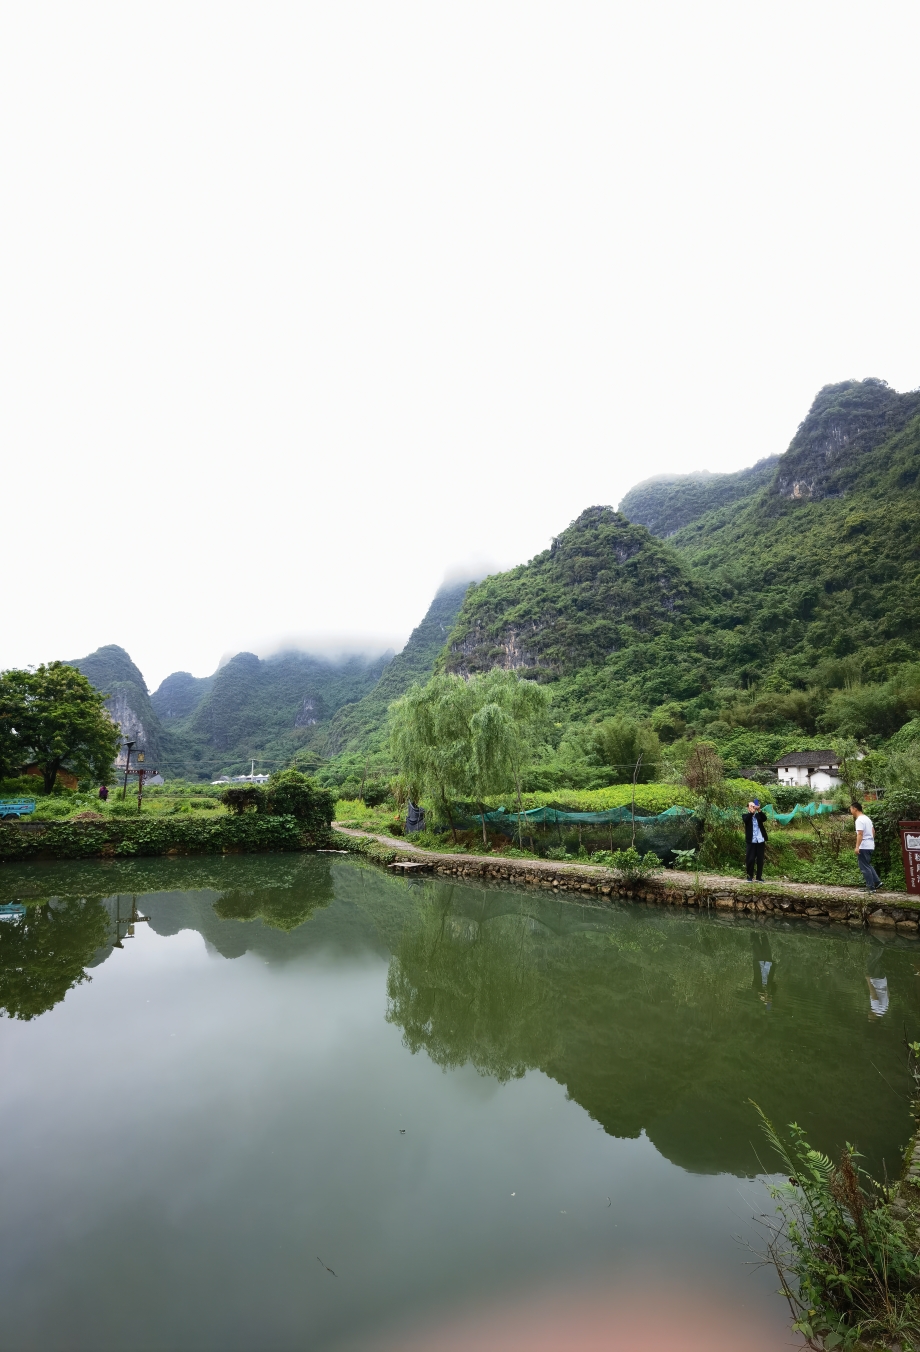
point(813, 760)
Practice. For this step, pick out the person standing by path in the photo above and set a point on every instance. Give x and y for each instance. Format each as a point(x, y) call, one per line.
point(865, 846)
point(755, 839)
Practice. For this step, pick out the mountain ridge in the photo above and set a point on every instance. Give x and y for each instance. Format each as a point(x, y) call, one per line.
point(786, 586)
point(667, 502)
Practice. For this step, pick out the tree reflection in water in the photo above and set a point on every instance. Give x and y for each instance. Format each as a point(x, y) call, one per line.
point(281, 908)
point(463, 986)
point(44, 953)
point(660, 1023)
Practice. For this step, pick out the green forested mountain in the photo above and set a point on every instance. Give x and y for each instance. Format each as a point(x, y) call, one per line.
point(111, 670)
point(180, 694)
point(783, 606)
point(270, 710)
point(791, 612)
point(291, 708)
point(602, 585)
point(668, 502)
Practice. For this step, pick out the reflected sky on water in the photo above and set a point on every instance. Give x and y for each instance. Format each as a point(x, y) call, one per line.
point(293, 1102)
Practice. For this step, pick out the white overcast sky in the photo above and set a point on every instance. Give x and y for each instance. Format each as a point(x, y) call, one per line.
point(302, 305)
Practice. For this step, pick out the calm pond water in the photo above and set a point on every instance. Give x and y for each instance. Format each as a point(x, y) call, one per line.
point(307, 1105)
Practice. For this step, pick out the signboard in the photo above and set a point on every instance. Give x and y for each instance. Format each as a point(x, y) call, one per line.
point(910, 853)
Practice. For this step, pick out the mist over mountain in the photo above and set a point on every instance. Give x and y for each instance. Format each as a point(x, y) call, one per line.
point(756, 609)
point(291, 707)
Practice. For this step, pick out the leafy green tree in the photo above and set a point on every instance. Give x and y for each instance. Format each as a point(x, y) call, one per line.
point(704, 774)
point(54, 716)
point(619, 743)
point(869, 710)
point(668, 722)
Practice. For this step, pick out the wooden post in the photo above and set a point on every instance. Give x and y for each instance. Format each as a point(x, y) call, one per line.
point(635, 775)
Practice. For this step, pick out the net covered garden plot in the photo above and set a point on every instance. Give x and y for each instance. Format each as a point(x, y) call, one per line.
point(662, 832)
point(502, 819)
point(676, 828)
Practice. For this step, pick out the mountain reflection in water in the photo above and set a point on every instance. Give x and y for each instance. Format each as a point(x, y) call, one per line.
point(500, 1119)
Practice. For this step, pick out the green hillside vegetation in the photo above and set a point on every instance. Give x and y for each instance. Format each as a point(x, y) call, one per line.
point(274, 711)
point(111, 670)
point(179, 695)
point(668, 502)
point(781, 612)
point(603, 585)
point(786, 617)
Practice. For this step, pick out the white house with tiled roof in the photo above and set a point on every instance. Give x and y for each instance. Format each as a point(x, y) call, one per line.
point(809, 769)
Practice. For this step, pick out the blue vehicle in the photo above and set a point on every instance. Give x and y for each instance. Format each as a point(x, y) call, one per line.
point(16, 807)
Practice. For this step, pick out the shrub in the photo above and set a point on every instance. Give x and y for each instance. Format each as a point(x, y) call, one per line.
point(847, 1267)
point(123, 808)
point(632, 867)
point(22, 786)
point(249, 799)
point(292, 794)
point(685, 859)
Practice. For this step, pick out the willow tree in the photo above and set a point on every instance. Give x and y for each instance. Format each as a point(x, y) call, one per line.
point(456, 738)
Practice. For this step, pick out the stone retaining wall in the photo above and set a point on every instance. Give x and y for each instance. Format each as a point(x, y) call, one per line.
point(669, 888)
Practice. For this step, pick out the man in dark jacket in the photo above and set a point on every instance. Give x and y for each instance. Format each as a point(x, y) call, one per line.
point(755, 838)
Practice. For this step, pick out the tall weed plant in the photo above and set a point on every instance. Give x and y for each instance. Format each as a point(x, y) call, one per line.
point(845, 1262)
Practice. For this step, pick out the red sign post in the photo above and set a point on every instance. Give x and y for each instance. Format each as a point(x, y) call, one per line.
point(910, 853)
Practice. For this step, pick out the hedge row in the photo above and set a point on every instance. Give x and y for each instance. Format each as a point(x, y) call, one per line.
point(247, 833)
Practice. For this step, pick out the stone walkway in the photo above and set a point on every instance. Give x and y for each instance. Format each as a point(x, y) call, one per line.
point(711, 881)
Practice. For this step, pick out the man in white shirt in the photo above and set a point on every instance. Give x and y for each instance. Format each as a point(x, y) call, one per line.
point(865, 846)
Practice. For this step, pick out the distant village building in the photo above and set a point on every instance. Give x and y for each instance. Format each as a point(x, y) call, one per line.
point(809, 769)
point(251, 778)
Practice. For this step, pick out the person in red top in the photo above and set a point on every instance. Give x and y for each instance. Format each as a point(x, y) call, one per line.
point(103, 792)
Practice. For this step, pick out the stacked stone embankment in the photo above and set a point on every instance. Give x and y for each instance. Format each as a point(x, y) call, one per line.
point(599, 886)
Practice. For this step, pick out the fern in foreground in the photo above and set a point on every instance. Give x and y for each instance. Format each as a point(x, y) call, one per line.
point(847, 1265)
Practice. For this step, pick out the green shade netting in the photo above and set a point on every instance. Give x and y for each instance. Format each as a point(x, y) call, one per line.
point(552, 816)
point(800, 810)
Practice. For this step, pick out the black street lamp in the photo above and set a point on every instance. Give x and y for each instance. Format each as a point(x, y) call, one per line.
point(130, 747)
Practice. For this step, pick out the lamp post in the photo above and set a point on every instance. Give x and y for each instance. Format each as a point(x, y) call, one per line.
point(130, 747)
